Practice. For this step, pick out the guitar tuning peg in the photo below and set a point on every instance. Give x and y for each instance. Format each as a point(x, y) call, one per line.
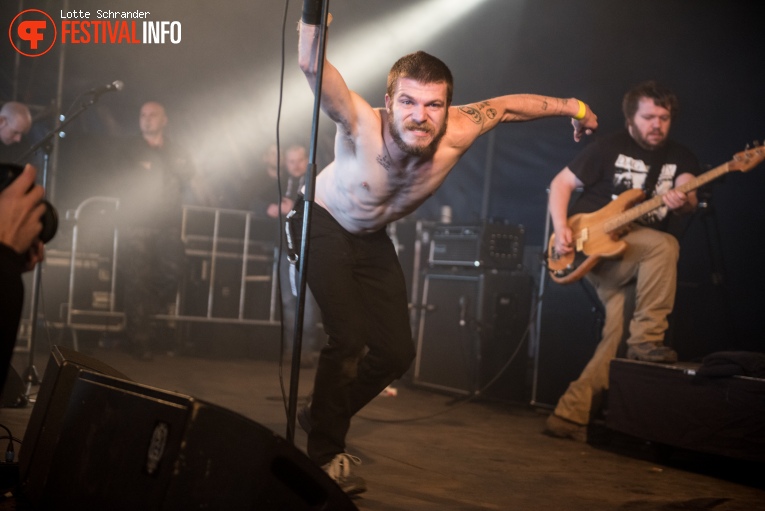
point(757, 143)
point(746, 147)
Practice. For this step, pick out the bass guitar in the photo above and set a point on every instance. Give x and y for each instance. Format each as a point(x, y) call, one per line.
point(597, 235)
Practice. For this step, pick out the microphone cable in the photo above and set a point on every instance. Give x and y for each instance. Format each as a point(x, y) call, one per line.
point(280, 239)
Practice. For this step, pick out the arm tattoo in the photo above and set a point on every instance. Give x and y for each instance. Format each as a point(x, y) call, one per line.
point(472, 113)
point(477, 111)
point(487, 109)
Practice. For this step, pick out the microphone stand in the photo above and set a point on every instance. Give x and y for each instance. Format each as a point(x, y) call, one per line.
point(31, 376)
point(310, 187)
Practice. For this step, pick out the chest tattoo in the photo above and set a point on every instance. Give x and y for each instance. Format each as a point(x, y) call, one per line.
point(397, 179)
point(385, 162)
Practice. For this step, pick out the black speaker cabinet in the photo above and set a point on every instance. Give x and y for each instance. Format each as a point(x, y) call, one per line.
point(471, 326)
point(47, 417)
point(120, 445)
point(569, 328)
point(13, 390)
point(673, 406)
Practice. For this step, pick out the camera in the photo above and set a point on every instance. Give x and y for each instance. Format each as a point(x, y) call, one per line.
point(49, 218)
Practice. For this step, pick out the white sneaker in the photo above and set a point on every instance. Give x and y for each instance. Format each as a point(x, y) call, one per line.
point(339, 469)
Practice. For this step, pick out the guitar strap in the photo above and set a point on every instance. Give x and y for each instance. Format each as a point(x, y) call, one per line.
point(657, 159)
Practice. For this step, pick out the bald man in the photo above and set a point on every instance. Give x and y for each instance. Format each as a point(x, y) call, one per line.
point(157, 180)
point(15, 122)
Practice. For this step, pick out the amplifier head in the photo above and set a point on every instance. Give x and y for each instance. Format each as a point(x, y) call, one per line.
point(491, 246)
point(452, 245)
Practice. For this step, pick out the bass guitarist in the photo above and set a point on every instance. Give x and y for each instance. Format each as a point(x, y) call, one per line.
point(638, 288)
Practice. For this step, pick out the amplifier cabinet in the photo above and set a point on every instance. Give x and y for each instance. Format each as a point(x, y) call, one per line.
point(569, 323)
point(471, 324)
point(447, 342)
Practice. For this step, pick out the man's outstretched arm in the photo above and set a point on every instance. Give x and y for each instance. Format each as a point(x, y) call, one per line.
point(527, 107)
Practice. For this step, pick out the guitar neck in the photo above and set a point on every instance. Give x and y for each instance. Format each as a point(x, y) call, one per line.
point(656, 202)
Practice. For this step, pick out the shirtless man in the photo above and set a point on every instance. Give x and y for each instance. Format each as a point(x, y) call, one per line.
point(388, 161)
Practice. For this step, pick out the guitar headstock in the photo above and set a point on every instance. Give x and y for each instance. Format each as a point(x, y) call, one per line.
point(748, 158)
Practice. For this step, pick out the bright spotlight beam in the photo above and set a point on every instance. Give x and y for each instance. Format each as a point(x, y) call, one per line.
point(357, 54)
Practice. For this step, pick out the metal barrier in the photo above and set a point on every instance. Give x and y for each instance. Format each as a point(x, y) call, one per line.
point(95, 318)
point(226, 249)
point(215, 236)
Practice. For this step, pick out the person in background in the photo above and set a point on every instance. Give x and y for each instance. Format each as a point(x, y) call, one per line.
point(296, 164)
point(15, 123)
point(159, 178)
point(264, 202)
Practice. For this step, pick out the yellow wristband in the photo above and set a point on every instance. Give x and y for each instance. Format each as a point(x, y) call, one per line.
point(582, 110)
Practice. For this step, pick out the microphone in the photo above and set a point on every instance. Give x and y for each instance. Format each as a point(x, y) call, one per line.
point(115, 85)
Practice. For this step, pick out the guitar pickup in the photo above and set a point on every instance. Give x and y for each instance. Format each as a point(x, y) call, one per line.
point(582, 239)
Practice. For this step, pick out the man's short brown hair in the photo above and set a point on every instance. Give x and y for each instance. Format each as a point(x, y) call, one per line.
point(424, 68)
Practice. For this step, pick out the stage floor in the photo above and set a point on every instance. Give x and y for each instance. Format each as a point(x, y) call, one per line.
point(422, 451)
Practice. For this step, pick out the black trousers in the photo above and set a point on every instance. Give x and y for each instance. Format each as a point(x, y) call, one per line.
point(360, 288)
point(153, 262)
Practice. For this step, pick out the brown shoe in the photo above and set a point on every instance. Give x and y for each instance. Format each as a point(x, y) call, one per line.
point(562, 428)
point(652, 352)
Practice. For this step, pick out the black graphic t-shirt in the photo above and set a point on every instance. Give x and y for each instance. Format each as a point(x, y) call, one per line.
point(616, 163)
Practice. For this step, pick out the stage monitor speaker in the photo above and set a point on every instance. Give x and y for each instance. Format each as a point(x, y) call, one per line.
point(125, 446)
point(673, 405)
point(14, 390)
point(570, 324)
point(63, 368)
point(470, 326)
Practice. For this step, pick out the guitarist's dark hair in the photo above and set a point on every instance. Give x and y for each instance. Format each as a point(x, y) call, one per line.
point(661, 96)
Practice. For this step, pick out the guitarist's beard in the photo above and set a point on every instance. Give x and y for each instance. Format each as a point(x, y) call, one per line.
point(659, 138)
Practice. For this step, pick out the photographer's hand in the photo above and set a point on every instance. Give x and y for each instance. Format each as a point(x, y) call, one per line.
point(20, 212)
point(35, 254)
